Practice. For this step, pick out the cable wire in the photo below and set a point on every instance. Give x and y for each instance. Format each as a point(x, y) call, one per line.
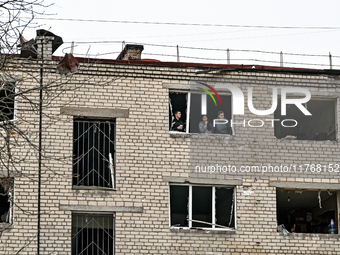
point(187, 24)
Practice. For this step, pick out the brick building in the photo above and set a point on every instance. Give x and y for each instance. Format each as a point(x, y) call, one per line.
point(116, 180)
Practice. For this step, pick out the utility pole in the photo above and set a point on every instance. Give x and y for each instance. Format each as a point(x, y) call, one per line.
point(40, 141)
point(177, 53)
point(228, 56)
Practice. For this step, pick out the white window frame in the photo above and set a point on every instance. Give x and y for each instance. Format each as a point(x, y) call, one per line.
point(11, 208)
point(213, 224)
point(187, 120)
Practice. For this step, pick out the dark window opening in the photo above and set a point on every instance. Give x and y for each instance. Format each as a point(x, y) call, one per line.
point(307, 211)
point(179, 102)
point(224, 204)
point(6, 190)
point(7, 100)
point(320, 126)
point(94, 153)
point(206, 207)
point(201, 206)
point(179, 201)
point(93, 234)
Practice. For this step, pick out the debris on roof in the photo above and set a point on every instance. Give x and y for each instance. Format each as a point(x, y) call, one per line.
point(68, 64)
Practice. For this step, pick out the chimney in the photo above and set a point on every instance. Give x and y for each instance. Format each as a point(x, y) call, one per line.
point(44, 47)
point(131, 52)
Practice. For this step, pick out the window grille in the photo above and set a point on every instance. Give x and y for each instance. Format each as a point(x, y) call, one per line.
point(93, 234)
point(94, 153)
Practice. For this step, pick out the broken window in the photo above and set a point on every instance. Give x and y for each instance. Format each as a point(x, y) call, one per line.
point(94, 153)
point(190, 106)
point(320, 126)
point(7, 101)
point(93, 234)
point(307, 211)
point(6, 192)
point(202, 207)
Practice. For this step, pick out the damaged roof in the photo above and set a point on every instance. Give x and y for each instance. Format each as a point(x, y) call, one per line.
point(214, 68)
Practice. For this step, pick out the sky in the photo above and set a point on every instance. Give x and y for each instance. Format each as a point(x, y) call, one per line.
point(255, 32)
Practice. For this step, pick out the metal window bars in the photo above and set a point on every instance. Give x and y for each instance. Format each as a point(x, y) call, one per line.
point(93, 234)
point(94, 153)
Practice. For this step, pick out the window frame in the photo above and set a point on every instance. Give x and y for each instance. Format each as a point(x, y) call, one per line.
point(213, 208)
point(15, 102)
point(112, 175)
point(188, 102)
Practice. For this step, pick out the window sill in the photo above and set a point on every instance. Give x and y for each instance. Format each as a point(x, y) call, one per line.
point(174, 134)
point(291, 139)
point(213, 136)
point(92, 188)
point(203, 230)
point(310, 235)
point(4, 122)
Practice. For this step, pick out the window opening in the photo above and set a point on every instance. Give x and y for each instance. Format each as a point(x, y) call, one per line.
point(7, 101)
point(94, 153)
point(320, 126)
point(6, 203)
point(306, 211)
point(192, 115)
point(202, 207)
point(93, 234)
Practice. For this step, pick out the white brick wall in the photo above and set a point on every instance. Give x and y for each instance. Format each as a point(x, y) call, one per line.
point(146, 153)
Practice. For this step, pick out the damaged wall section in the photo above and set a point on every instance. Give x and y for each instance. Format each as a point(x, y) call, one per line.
point(320, 126)
point(307, 211)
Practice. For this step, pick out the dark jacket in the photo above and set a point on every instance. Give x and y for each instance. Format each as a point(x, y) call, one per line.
point(175, 124)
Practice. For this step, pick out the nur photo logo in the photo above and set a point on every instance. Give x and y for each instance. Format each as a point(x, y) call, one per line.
point(302, 96)
point(208, 92)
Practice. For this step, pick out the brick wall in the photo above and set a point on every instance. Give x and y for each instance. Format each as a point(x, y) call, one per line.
point(146, 154)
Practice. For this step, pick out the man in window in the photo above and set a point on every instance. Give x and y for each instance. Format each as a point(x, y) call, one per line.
point(221, 125)
point(177, 123)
